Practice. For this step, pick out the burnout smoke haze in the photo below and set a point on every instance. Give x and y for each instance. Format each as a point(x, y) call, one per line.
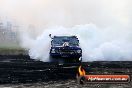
point(96, 45)
point(102, 26)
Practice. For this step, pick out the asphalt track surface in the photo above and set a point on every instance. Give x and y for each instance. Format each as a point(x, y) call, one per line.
point(20, 71)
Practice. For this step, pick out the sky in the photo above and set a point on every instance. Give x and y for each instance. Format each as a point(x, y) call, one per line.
point(45, 13)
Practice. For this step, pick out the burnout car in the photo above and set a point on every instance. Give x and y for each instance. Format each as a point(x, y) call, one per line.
point(65, 48)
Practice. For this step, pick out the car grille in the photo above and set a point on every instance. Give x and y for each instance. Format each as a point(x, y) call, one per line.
point(66, 51)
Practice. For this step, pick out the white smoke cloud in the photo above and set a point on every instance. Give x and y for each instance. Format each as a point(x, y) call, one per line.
point(96, 44)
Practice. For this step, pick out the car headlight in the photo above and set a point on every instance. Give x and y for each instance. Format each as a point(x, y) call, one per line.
point(79, 51)
point(80, 59)
point(53, 51)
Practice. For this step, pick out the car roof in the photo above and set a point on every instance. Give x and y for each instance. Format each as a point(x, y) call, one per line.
point(65, 36)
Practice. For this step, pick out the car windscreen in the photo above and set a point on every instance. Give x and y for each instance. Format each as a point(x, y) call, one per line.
point(58, 41)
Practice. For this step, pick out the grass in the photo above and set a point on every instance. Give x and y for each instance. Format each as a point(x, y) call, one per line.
point(12, 50)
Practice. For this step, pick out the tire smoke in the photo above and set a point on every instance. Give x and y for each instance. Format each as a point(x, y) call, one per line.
point(97, 44)
point(102, 26)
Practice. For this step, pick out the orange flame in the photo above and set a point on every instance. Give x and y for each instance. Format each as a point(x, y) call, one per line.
point(81, 71)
